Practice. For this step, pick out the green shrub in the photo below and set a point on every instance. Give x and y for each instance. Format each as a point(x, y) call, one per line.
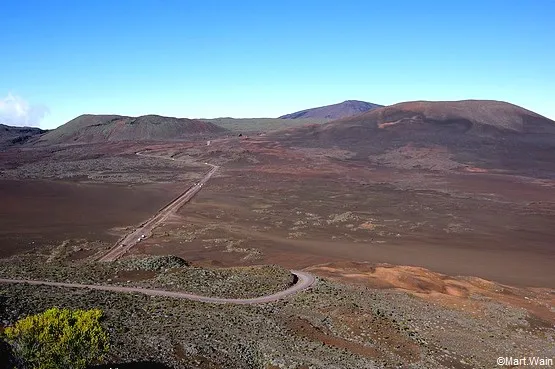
point(58, 338)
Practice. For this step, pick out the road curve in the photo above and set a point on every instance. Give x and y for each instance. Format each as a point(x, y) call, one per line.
point(145, 229)
point(304, 281)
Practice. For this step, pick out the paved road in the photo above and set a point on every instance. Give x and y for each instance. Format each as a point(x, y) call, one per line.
point(145, 230)
point(304, 281)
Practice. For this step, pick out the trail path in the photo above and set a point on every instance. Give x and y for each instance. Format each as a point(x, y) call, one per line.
point(304, 281)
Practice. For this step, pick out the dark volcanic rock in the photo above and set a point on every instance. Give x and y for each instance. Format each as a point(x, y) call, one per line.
point(17, 135)
point(336, 111)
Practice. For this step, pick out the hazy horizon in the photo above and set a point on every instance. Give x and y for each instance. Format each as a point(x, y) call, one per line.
point(250, 59)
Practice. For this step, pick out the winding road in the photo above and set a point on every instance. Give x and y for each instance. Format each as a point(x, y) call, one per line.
point(304, 281)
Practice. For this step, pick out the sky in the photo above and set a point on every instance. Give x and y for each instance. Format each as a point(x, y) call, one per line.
point(207, 59)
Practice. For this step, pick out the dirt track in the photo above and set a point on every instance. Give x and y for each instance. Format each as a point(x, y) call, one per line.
point(144, 231)
point(304, 281)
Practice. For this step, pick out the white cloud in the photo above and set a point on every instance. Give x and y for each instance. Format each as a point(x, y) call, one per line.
point(15, 111)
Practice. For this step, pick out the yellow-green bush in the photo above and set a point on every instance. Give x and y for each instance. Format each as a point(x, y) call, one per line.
point(58, 338)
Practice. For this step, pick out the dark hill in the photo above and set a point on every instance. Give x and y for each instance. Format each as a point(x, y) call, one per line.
point(336, 111)
point(17, 135)
point(441, 135)
point(102, 128)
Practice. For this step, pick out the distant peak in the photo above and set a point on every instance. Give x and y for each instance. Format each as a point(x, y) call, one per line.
point(344, 109)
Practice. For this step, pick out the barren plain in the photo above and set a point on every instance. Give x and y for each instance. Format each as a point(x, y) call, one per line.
point(422, 260)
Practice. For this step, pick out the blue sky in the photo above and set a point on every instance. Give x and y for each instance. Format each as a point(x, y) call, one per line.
point(208, 58)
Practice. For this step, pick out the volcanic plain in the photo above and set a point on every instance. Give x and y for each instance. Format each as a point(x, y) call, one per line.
point(430, 229)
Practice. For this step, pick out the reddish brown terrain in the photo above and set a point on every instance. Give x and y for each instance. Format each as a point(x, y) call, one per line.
point(39, 212)
point(440, 136)
point(452, 292)
point(428, 195)
point(430, 227)
point(89, 193)
point(493, 226)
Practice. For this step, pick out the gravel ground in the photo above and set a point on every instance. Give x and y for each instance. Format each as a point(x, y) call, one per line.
point(332, 325)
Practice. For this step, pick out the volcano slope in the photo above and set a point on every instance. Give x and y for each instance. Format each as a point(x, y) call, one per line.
point(449, 135)
point(114, 128)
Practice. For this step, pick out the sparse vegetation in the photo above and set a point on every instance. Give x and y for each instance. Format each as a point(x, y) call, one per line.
point(331, 325)
point(116, 169)
point(164, 272)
